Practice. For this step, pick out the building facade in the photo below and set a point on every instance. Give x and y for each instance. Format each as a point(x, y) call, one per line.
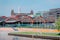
point(55, 12)
point(27, 19)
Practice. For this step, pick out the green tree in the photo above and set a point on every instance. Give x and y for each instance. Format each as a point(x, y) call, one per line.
point(58, 24)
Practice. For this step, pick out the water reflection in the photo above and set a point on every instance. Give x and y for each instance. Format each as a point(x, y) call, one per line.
point(15, 38)
point(4, 36)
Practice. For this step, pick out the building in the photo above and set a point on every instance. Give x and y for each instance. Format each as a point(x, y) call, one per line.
point(55, 12)
point(26, 19)
point(52, 13)
point(21, 14)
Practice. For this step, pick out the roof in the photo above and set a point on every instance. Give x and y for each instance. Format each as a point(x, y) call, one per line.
point(2, 18)
point(39, 19)
point(27, 19)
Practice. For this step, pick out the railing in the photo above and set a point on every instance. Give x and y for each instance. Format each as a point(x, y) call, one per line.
point(43, 25)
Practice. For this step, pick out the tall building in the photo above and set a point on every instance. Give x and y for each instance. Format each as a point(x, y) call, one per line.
point(52, 13)
point(55, 12)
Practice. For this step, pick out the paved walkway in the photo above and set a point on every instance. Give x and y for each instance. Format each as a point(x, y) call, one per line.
point(37, 30)
point(29, 29)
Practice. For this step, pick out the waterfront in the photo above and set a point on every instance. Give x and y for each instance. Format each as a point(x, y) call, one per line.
point(4, 36)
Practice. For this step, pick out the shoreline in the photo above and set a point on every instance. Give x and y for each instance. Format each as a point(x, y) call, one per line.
point(35, 36)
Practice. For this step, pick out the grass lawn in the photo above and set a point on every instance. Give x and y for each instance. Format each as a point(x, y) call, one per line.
point(37, 33)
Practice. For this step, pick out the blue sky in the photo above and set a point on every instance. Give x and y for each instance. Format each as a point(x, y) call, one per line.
point(26, 5)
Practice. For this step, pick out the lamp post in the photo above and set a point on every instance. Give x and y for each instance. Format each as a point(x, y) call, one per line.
point(32, 35)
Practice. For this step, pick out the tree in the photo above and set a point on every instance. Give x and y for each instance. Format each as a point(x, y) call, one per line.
point(58, 24)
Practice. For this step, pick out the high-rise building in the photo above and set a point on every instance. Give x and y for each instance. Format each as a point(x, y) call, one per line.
point(55, 12)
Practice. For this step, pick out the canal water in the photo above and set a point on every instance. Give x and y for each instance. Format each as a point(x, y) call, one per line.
point(4, 36)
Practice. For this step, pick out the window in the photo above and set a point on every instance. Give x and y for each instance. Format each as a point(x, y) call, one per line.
point(58, 13)
point(50, 13)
